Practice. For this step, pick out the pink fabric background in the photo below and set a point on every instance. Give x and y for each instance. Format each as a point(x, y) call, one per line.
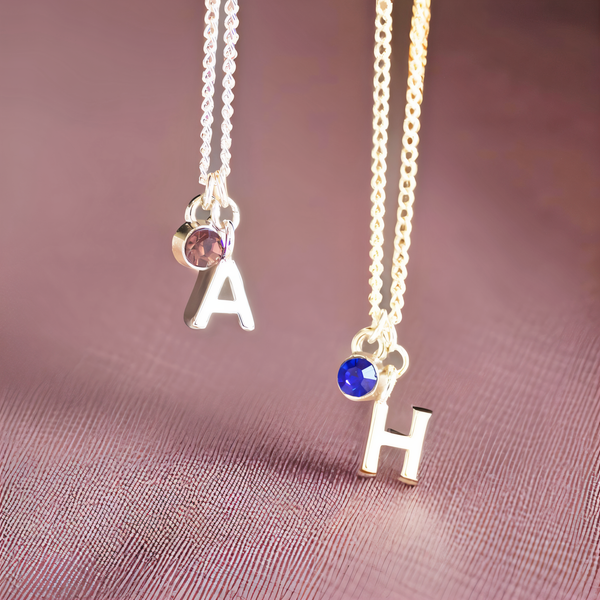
point(144, 460)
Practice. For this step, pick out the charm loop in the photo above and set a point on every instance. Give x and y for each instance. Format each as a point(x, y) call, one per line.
point(229, 239)
point(222, 194)
point(384, 328)
point(404, 354)
point(382, 331)
point(208, 197)
point(215, 192)
point(215, 215)
point(215, 212)
point(382, 351)
point(214, 198)
point(192, 207)
point(363, 335)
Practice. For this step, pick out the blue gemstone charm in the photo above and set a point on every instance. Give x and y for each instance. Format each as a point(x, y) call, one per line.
point(357, 377)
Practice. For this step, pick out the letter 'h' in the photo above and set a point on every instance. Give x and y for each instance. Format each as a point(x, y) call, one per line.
point(412, 443)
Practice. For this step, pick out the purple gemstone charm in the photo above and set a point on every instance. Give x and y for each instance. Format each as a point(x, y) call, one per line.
point(204, 248)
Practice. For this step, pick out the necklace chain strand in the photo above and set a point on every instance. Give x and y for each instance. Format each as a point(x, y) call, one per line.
point(205, 245)
point(419, 31)
point(230, 38)
point(365, 375)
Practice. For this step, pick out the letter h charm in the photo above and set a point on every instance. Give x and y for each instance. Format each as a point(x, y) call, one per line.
point(364, 377)
point(412, 443)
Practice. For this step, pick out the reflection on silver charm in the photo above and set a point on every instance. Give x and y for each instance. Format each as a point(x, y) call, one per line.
point(206, 246)
point(364, 377)
point(200, 244)
point(205, 300)
point(412, 443)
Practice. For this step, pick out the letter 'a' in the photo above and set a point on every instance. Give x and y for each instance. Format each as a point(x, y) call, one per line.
point(205, 300)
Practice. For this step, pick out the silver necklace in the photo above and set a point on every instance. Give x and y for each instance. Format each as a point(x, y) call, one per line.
point(206, 245)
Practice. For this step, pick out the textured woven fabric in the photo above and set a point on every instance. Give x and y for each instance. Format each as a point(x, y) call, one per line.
point(142, 460)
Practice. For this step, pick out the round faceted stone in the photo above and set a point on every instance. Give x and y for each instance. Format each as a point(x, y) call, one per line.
point(204, 248)
point(357, 377)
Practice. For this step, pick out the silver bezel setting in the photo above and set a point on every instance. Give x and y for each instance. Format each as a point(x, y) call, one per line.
point(381, 384)
point(181, 237)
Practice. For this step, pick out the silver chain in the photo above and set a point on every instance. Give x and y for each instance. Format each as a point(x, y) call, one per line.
point(417, 59)
point(383, 325)
point(230, 38)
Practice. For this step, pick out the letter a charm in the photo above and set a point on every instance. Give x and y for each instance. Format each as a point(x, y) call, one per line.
point(205, 300)
point(206, 246)
point(364, 377)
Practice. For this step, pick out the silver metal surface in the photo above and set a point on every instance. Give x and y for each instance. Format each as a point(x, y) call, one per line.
point(230, 37)
point(200, 202)
point(381, 377)
point(383, 332)
point(385, 345)
point(215, 214)
point(225, 229)
point(205, 301)
point(412, 443)
point(180, 239)
point(229, 240)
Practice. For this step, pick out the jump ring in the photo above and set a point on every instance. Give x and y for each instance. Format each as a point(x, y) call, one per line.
point(362, 336)
point(209, 192)
point(221, 189)
point(215, 214)
point(404, 354)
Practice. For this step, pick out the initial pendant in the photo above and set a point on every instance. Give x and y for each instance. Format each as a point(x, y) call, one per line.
point(363, 377)
point(205, 300)
point(412, 443)
point(206, 246)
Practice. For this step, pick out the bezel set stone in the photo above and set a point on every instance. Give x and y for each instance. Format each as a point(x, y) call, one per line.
point(370, 362)
point(181, 239)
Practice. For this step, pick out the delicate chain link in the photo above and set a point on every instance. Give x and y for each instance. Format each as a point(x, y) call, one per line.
point(417, 59)
point(414, 96)
point(230, 38)
point(229, 55)
point(381, 107)
point(208, 77)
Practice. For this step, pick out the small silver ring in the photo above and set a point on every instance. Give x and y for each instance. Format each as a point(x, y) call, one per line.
point(215, 214)
point(404, 354)
point(383, 350)
point(359, 339)
point(192, 207)
point(222, 196)
point(209, 192)
point(382, 329)
point(228, 239)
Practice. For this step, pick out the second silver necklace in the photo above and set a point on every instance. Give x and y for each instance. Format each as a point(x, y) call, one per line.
point(364, 376)
point(205, 245)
